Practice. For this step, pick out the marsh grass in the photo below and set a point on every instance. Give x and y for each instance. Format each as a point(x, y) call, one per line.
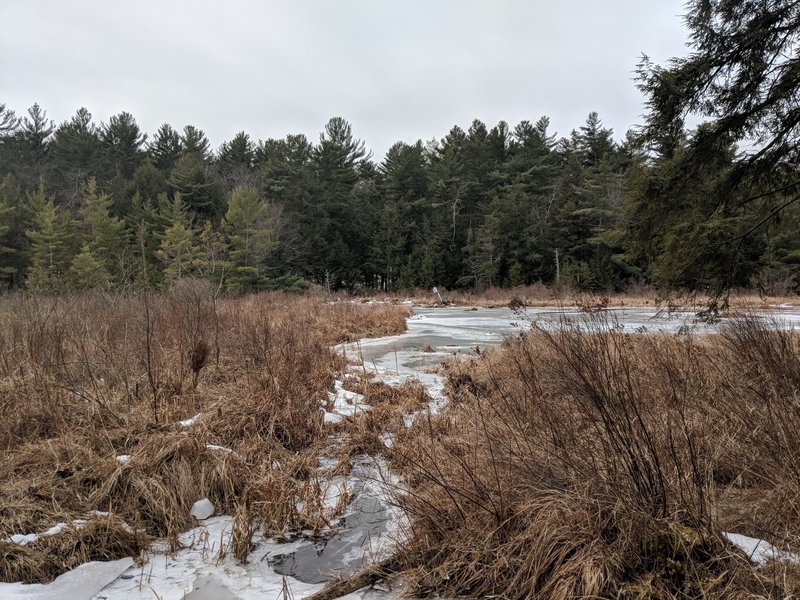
point(85, 379)
point(598, 464)
point(540, 295)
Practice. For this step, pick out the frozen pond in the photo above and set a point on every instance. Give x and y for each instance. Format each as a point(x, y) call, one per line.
point(435, 334)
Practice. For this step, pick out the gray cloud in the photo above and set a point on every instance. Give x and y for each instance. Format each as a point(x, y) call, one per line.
point(395, 70)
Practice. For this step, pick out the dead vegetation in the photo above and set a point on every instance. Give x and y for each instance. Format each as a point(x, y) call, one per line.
point(540, 295)
point(608, 465)
point(93, 389)
point(389, 406)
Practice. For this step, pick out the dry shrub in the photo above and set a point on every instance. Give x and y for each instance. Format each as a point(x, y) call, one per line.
point(86, 378)
point(574, 464)
point(100, 538)
point(165, 476)
point(389, 404)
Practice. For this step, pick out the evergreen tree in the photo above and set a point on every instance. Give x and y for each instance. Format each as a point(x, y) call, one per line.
point(165, 148)
point(103, 233)
point(76, 152)
point(8, 121)
point(195, 143)
point(14, 244)
point(28, 151)
point(8, 126)
point(51, 243)
point(251, 239)
point(86, 272)
point(201, 191)
point(288, 179)
point(741, 77)
point(235, 161)
point(179, 250)
point(591, 202)
point(147, 181)
point(122, 145)
point(345, 240)
point(8, 189)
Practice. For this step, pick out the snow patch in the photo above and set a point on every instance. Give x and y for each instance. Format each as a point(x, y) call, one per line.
point(759, 551)
point(216, 448)
point(82, 583)
point(345, 403)
point(23, 538)
point(190, 421)
point(202, 509)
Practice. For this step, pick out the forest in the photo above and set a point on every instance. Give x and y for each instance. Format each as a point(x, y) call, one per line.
point(87, 205)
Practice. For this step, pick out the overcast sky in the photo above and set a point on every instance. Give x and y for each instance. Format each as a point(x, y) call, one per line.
point(397, 70)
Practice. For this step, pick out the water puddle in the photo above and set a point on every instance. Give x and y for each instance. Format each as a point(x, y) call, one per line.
point(364, 533)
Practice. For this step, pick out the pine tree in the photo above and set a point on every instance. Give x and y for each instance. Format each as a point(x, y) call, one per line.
point(103, 234)
point(8, 120)
point(337, 159)
point(251, 239)
point(235, 161)
point(165, 148)
point(179, 250)
point(289, 180)
point(194, 142)
point(7, 267)
point(30, 146)
point(13, 241)
point(201, 191)
point(87, 272)
point(741, 78)
point(76, 152)
point(51, 243)
point(122, 143)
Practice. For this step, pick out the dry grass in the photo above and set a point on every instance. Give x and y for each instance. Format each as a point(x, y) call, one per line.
point(607, 465)
point(85, 379)
point(389, 405)
point(539, 295)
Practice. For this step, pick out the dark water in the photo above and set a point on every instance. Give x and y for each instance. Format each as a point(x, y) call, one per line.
point(351, 548)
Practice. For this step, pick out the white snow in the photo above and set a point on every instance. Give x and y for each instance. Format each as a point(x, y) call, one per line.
point(29, 538)
point(216, 448)
point(23, 538)
point(206, 561)
point(759, 551)
point(56, 529)
point(122, 458)
point(329, 417)
point(345, 403)
point(202, 509)
point(82, 583)
point(190, 421)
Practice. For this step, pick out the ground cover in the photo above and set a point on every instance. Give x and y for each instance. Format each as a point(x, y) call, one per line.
point(118, 413)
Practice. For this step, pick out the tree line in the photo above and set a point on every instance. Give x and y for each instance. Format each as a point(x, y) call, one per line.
point(84, 205)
